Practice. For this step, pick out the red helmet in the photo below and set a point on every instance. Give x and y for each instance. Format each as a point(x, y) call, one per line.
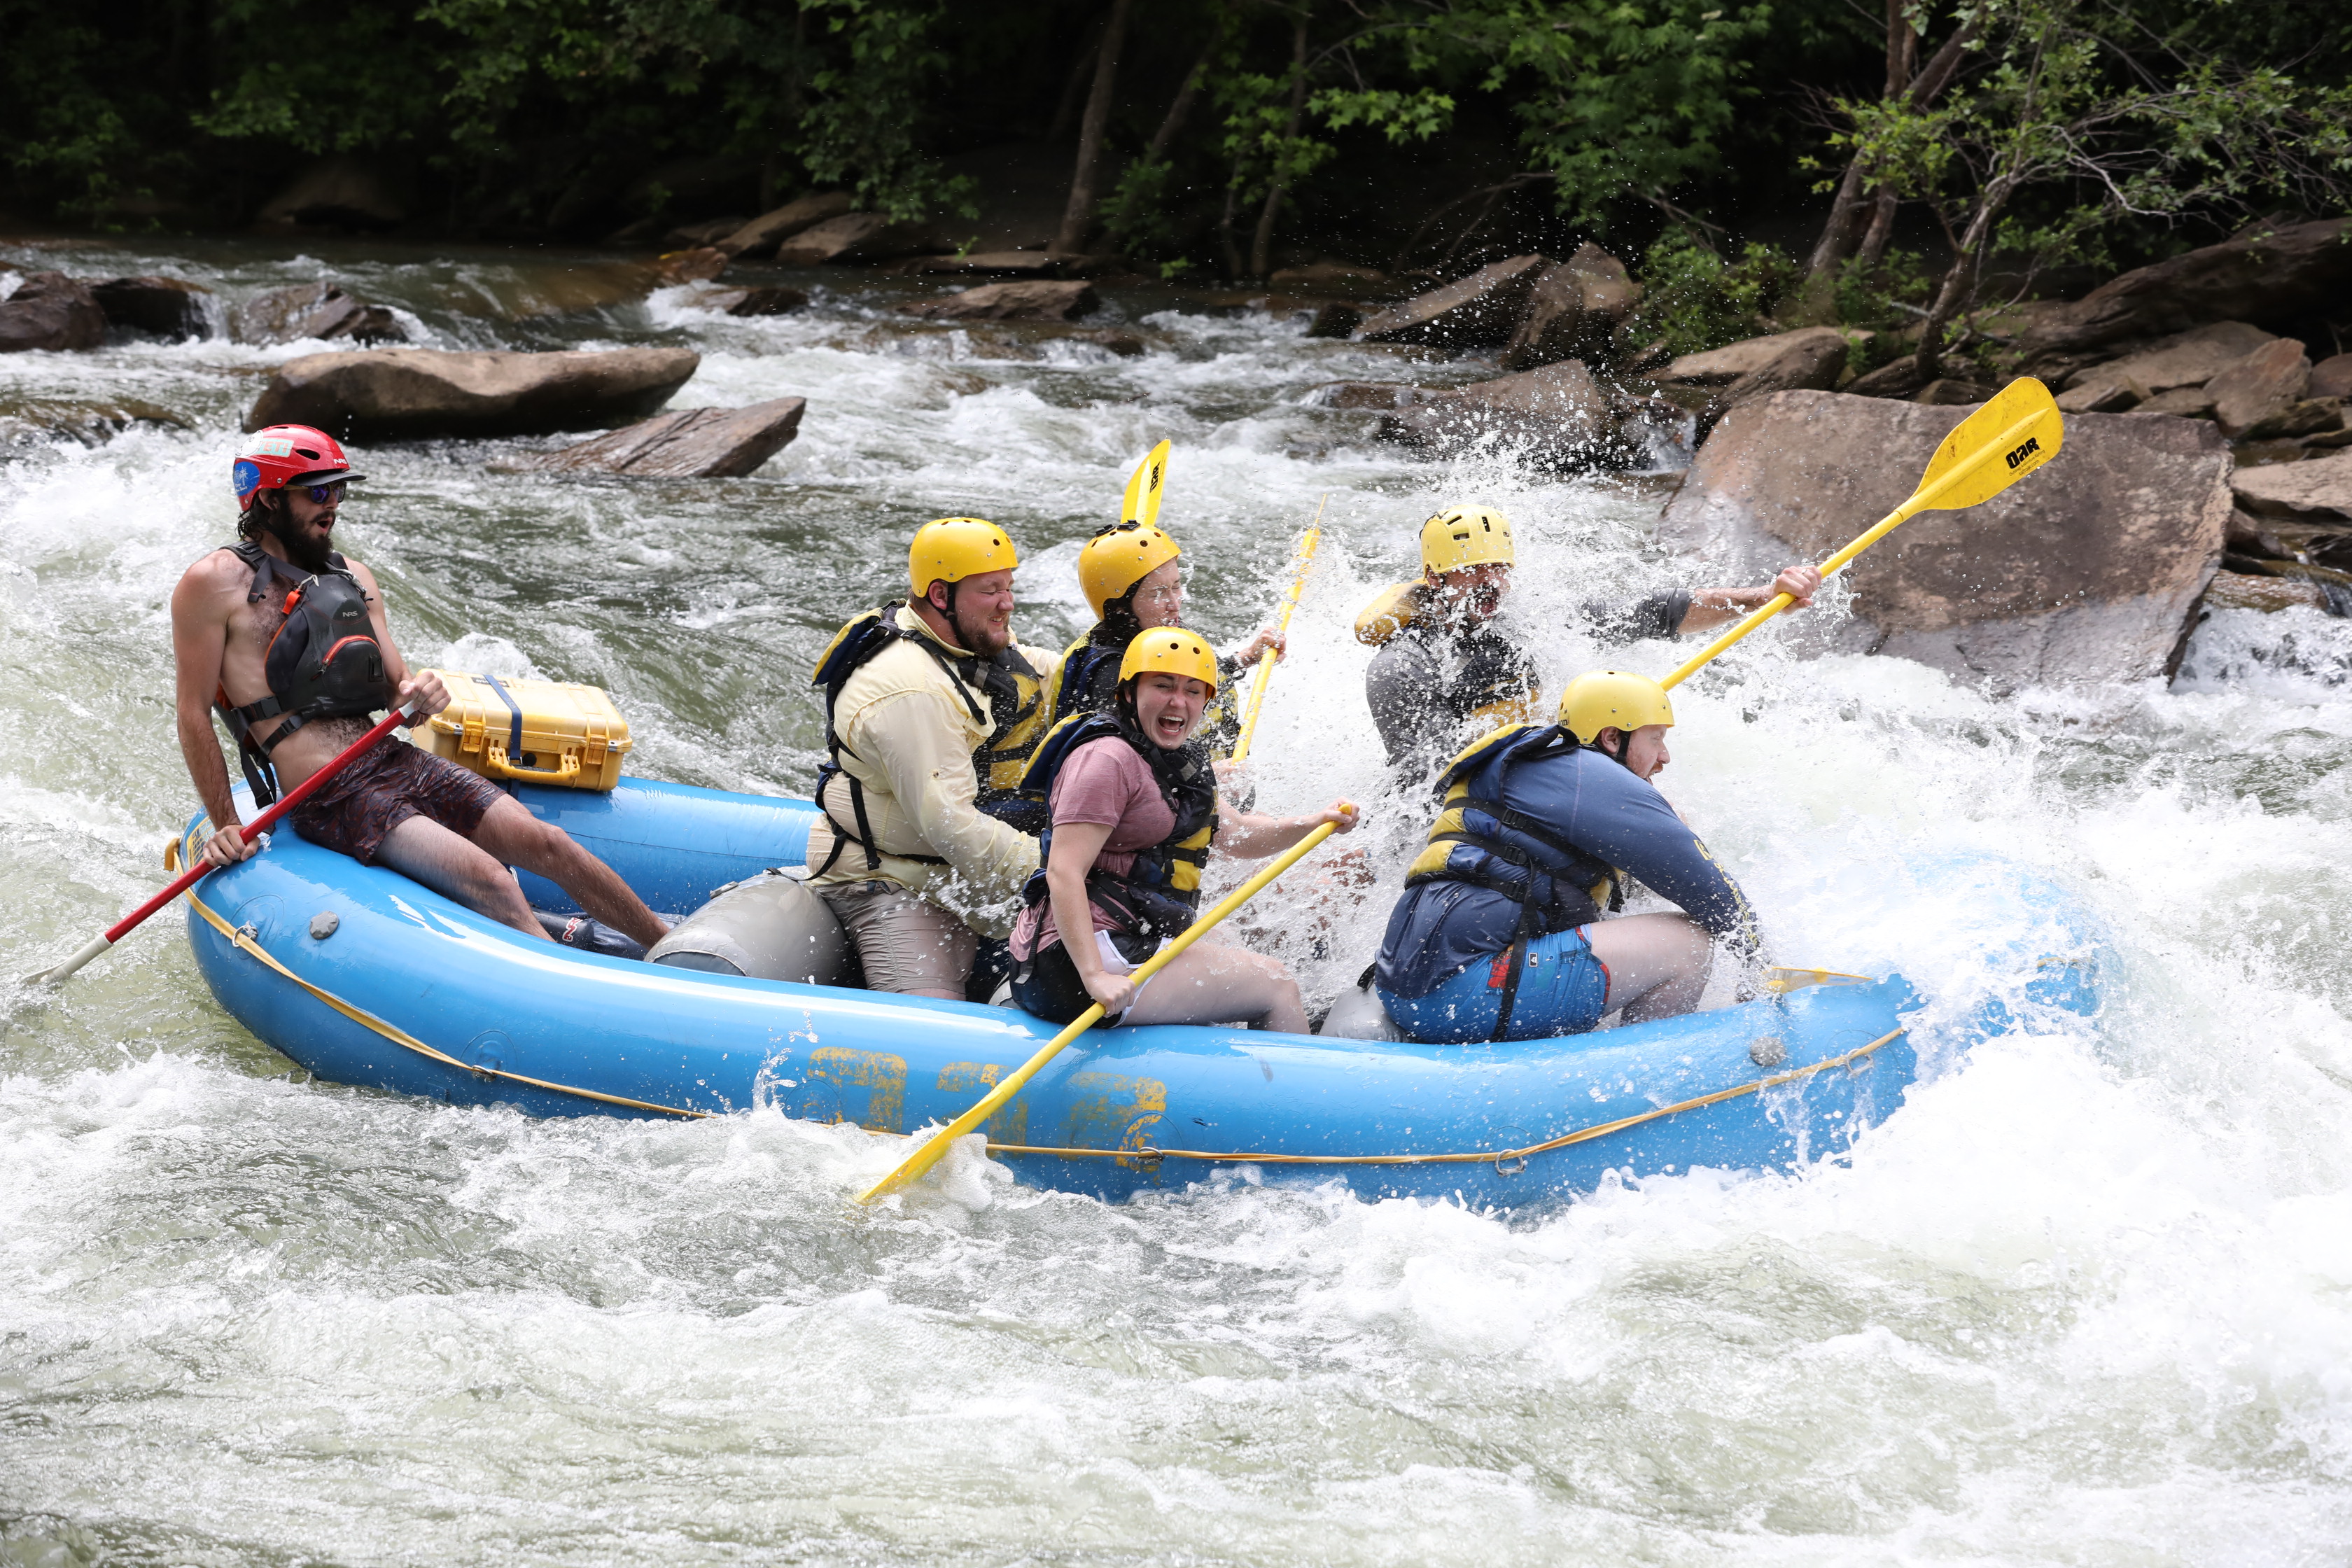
point(283, 454)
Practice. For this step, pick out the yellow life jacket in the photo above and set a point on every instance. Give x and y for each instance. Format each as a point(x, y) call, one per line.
point(1509, 836)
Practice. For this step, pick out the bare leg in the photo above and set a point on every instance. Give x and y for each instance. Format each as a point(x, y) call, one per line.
point(1657, 964)
point(423, 851)
point(510, 833)
point(1211, 985)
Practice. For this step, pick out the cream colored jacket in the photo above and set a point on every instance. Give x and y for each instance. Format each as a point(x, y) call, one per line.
point(908, 737)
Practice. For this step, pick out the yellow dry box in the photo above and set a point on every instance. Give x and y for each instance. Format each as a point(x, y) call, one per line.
point(539, 731)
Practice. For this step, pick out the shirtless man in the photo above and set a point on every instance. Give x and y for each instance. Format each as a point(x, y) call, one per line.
point(234, 645)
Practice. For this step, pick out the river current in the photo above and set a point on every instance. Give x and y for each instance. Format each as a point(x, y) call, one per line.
point(2085, 1298)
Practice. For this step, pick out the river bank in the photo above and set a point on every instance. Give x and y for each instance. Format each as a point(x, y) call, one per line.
point(2084, 1298)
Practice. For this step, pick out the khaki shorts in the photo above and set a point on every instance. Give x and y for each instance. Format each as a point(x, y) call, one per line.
point(907, 944)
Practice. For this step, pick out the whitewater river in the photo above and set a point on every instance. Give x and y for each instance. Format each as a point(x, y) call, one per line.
point(2085, 1299)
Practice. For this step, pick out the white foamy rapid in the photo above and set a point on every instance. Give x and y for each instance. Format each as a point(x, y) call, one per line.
point(2087, 1298)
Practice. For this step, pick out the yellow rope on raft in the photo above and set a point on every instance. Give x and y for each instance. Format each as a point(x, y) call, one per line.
point(390, 1032)
point(1582, 1135)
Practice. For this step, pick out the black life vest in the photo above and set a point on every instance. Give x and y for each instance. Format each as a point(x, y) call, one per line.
point(1087, 675)
point(322, 662)
point(1160, 896)
point(1557, 885)
point(1014, 714)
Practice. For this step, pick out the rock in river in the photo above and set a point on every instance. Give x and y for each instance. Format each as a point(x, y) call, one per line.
point(1483, 308)
point(313, 310)
point(167, 307)
point(50, 311)
point(394, 393)
point(2317, 490)
point(688, 443)
point(2277, 275)
point(763, 234)
point(1024, 300)
point(2087, 570)
point(1559, 418)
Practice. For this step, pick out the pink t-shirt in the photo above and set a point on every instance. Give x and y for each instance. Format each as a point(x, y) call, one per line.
point(1108, 783)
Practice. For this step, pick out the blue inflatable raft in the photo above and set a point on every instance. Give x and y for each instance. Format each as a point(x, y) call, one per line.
point(404, 991)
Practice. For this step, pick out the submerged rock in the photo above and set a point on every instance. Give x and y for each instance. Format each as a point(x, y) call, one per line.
point(396, 393)
point(313, 310)
point(1022, 301)
point(50, 311)
point(771, 301)
point(1559, 418)
point(688, 443)
point(167, 307)
point(35, 420)
point(2256, 590)
point(2087, 570)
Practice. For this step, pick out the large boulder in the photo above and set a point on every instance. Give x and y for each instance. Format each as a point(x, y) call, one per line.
point(852, 237)
point(393, 393)
point(2186, 358)
point(1023, 300)
point(2087, 570)
point(688, 443)
point(313, 310)
point(1572, 308)
point(1478, 310)
point(2332, 377)
point(2251, 395)
point(1820, 347)
point(50, 311)
point(2274, 276)
point(167, 307)
point(2316, 491)
point(763, 234)
point(1559, 418)
point(336, 192)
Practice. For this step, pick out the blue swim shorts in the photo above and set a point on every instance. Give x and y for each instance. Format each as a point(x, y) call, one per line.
point(1563, 990)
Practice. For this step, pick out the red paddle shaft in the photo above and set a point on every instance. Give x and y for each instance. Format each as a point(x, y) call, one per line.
point(249, 832)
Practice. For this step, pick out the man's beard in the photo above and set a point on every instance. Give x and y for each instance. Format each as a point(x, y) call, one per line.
point(976, 635)
point(308, 553)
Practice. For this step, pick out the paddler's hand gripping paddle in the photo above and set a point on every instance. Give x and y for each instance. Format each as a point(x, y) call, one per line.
point(927, 1153)
point(249, 832)
point(2014, 434)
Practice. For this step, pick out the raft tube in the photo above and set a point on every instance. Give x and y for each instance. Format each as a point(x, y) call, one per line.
point(366, 978)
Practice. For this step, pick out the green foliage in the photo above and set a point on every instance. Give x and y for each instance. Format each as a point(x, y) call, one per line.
point(1693, 300)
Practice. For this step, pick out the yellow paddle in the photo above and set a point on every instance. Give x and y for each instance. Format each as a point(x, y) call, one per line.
point(2014, 434)
point(1265, 675)
point(927, 1153)
point(1145, 488)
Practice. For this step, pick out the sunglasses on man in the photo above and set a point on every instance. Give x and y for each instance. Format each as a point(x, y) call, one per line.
point(320, 494)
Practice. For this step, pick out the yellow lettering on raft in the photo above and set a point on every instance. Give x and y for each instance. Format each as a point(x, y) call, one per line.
point(881, 1075)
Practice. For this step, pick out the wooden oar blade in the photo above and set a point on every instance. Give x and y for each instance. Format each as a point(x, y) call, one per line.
point(2021, 451)
point(1155, 484)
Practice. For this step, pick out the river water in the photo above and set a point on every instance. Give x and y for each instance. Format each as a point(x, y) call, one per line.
point(2087, 1298)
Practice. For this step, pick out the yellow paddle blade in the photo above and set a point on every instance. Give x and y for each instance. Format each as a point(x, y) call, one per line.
point(1780, 980)
point(2022, 452)
point(1146, 486)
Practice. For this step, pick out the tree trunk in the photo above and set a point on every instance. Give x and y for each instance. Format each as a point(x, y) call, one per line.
point(1261, 244)
point(1079, 217)
point(1881, 232)
point(1225, 225)
point(1179, 109)
point(1079, 66)
point(1960, 285)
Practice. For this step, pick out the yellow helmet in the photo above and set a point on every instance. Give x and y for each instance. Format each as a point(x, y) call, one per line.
point(1465, 536)
point(1612, 700)
point(949, 548)
point(1170, 650)
point(1117, 557)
